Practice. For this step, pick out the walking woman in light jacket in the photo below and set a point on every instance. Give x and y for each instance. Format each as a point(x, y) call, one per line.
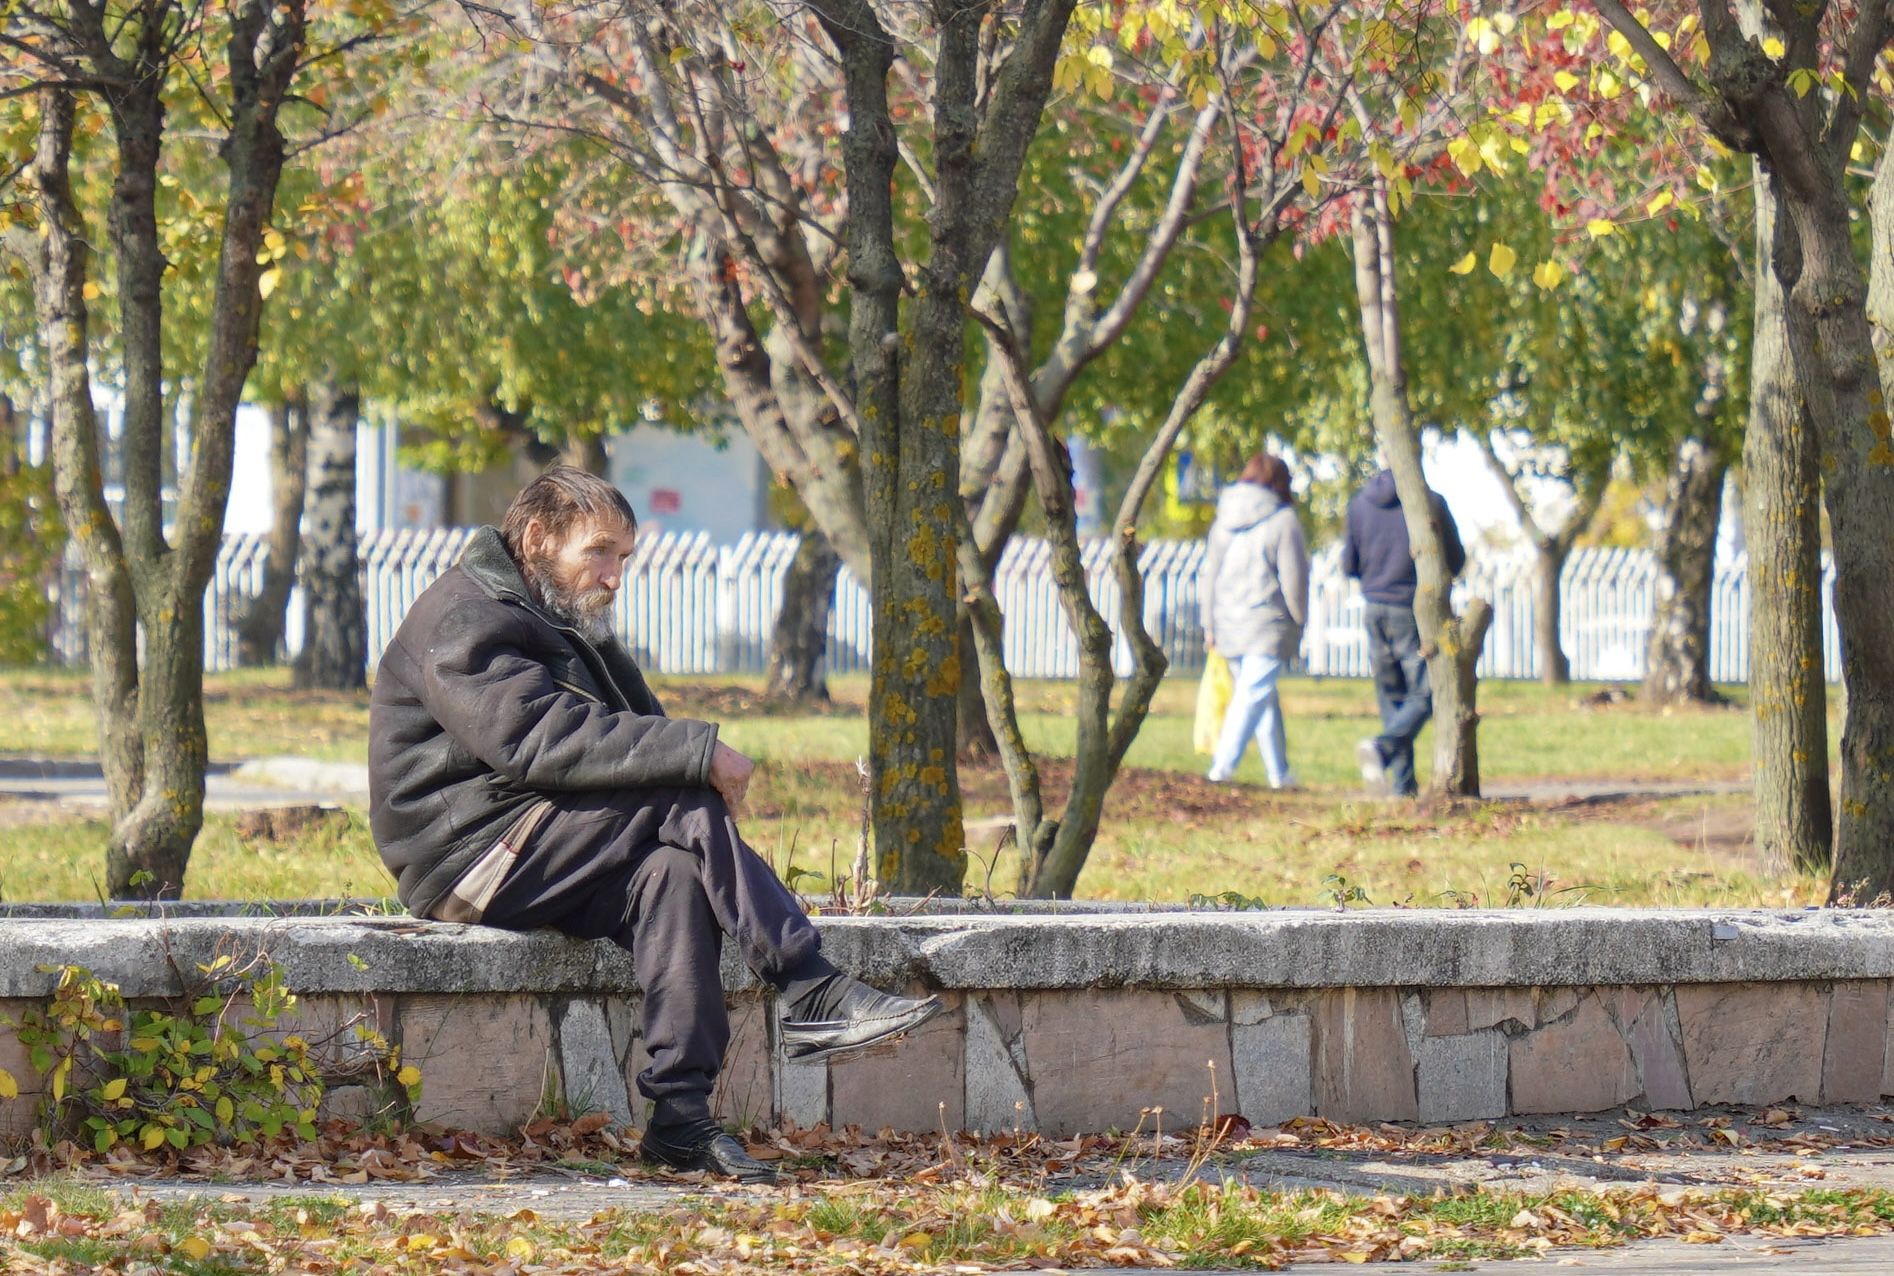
point(1255, 596)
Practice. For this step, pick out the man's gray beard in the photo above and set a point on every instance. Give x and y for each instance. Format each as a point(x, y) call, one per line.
point(569, 606)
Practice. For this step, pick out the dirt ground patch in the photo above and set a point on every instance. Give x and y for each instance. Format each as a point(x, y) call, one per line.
point(722, 703)
point(1722, 825)
point(1139, 793)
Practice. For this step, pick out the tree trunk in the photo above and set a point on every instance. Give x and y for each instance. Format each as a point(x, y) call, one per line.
point(12, 438)
point(587, 451)
point(978, 745)
point(1548, 565)
point(801, 634)
point(1677, 661)
point(333, 655)
point(1788, 687)
point(1835, 366)
point(260, 632)
point(1451, 642)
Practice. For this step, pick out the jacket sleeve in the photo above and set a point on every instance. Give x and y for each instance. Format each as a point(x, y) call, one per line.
point(503, 706)
point(1207, 587)
point(1292, 571)
point(1450, 536)
point(1351, 548)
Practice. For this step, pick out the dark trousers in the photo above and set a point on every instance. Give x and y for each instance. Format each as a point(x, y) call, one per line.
point(661, 872)
point(1401, 688)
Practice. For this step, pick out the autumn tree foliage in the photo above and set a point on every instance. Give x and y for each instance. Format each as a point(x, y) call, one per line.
point(1790, 86)
point(119, 105)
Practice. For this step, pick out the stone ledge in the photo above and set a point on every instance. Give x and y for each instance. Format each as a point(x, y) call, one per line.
point(1372, 948)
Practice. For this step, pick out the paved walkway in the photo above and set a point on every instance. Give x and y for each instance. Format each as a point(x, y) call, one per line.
point(246, 786)
point(292, 781)
point(1818, 1148)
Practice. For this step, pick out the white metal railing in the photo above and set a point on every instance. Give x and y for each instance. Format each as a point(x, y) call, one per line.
point(695, 607)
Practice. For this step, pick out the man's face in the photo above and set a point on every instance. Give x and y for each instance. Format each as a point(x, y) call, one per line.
point(578, 577)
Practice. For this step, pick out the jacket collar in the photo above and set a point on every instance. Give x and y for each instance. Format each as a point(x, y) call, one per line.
point(488, 561)
point(489, 564)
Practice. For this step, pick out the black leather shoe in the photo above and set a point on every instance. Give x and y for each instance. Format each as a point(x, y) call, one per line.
point(701, 1145)
point(859, 1017)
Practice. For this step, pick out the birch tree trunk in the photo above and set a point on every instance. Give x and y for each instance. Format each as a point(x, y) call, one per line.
point(333, 655)
point(1451, 642)
point(1677, 660)
point(260, 632)
point(1788, 687)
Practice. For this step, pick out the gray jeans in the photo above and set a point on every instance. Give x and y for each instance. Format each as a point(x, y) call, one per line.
point(1401, 688)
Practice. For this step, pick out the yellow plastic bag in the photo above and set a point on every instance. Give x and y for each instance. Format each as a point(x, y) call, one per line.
point(1213, 699)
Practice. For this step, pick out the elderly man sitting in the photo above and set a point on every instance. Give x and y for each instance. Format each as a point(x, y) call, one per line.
point(522, 774)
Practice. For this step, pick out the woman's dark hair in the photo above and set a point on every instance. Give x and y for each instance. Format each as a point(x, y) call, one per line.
point(1268, 470)
point(560, 498)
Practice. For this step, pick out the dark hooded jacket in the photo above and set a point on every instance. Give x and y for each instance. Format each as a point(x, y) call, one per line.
point(1375, 546)
point(485, 704)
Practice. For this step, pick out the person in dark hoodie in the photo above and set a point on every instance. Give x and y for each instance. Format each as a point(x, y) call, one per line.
point(1255, 600)
point(521, 774)
point(1375, 551)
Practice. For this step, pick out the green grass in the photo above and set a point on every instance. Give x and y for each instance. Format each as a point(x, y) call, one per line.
point(1167, 835)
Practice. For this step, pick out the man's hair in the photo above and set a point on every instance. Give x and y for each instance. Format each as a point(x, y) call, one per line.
point(1268, 470)
point(560, 499)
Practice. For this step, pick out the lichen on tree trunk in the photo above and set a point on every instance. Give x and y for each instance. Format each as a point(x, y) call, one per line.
point(1788, 687)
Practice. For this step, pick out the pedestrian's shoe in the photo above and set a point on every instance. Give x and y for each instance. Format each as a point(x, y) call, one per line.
point(1374, 768)
point(1288, 784)
point(849, 1015)
point(700, 1145)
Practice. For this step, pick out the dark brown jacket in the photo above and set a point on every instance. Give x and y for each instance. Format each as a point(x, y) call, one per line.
point(484, 703)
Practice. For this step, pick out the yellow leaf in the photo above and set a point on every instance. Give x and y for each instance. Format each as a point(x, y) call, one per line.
point(1565, 80)
point(1311, 181)
point(113, 1089)
point(1548, 275)
point(1772, 47)
point(409, 1075)
point(1465, 265)
point(1599, 228)
point(226, 1110)
point(1560, 20)
point(267, 281)
point(91, 290)
point(1500, 260)
point(195, 1248)
point(1659, 202)
point(9, 1088)
point(1352, 1256)
point(153, 1135)
point(1465, 154)
point(521, 1248)
point(916, 1240)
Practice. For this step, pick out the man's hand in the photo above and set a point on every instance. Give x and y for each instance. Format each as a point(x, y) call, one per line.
point(730, 774)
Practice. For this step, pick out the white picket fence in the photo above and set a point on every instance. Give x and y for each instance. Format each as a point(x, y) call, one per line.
point(697, 608)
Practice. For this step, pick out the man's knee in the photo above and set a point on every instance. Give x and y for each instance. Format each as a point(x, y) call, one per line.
point(666, 869)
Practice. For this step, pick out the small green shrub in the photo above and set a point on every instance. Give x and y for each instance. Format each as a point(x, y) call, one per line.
point(207, 1067)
